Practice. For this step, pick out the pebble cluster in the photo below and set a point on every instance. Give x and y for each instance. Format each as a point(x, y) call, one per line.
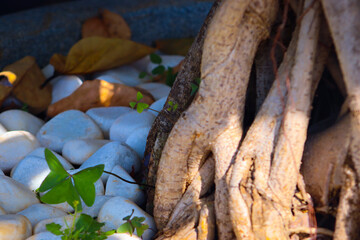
point(113, 136)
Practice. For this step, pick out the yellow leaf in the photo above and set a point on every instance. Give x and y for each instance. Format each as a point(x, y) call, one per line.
point(98, 53)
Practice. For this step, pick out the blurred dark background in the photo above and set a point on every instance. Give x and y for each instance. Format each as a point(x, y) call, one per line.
point(8, 6)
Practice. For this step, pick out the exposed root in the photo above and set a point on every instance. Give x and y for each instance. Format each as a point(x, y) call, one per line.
point(213, 121)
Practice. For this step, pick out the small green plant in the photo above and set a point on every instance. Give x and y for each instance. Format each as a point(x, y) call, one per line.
point(65, 187)
point(140, 106)
point(195, 86)
point(61, 186)
point(132, 224)
point(160, 70)
point(84, 228)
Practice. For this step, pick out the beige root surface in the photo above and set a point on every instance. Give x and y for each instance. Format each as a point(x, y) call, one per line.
point(264, 177)
point(213, 121)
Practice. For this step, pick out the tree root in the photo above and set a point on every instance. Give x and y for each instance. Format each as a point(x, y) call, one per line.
point(213, 121)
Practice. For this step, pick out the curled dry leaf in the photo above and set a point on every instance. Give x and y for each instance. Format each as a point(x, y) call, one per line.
point(24, 78)
point(107, 24)
point(98, 53)
point(98, 93)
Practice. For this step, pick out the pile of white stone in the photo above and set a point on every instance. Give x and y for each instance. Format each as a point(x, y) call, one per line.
point(113, 136)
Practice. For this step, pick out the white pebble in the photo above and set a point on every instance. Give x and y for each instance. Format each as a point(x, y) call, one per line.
point(14, 146)
point(79, 150)
point(117, 187)
point(14, 196)
point(104, 117)
point(124, 126)
point(63, 86)
point(111, 154)
point(114, 210)
point(68, 125)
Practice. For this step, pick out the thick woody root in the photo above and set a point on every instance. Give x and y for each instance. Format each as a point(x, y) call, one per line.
point(261, 190)
point(323, 161)
point(344, 22)
point(181, 94)
point(186, 212)
point(213, 121)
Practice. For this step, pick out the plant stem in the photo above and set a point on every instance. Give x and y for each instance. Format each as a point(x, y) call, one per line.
point(141, 184)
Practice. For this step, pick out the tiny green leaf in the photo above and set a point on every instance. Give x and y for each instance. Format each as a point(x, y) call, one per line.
point(57, 172)
point(141, 107)
point(194, 89)
point(125, 228)
point(198, 81)
point(142, 229)
point(83, 223)
point(84, 183)
point(132, 104)
point(139, 96)
point(142, 75)
point(54, 228)
point(62, 192)
point(171, 103)
point(154, 58)
point(175, 107)
point(158, 70)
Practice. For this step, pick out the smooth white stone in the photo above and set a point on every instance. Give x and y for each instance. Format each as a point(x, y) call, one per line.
point(68, 125)
point(14, 227)
point(167, 61)
point(48, 71)
point(141, 64)
point(32, 170)
point(158, 105)
point(109, 78)
point(95, 208)
point(127, 74)
point(117, 187)
point(124, 126)
point(14, 196)
point(14, 146)
point(157, 90)
point(114, 210)
point(44, 236)
point(38, 212)
point(63, 206)
point(41, 226)
point(79, 150)
point(111, 154)
point(63, 86)
point(20, 120)
point(123, 236)
point(1, 173)
point(2, 129)
point(104, 117)
point(137, 140)
point(40, 152)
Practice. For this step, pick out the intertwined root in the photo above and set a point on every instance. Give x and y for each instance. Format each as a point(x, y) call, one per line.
point(259, 192)
point(213, 123)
